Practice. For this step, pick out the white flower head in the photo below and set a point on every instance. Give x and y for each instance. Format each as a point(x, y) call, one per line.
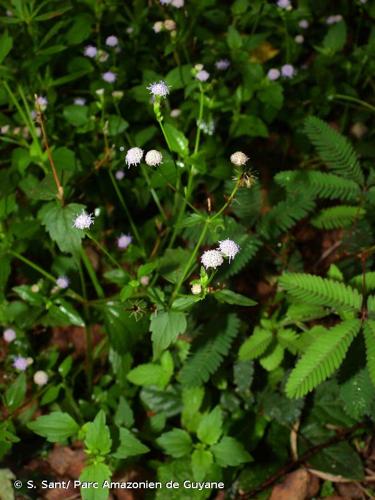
point(303, 23)
point(120, 174)
point(165, 2)
point(159, 89)
point(109, 77)
point(9, 335)
point(79, 101)
point(40, 377)
point(20, 363)
point(178, 3)
point(111, 41)
point(145, 280)
point(222, 64)
point(158, 26)
point(124, 241)
point(83, 220)
point(202, 75)
point(299, 39)
point(284, 4)
point(62, 282)
point(169, 25)
point(42, 102)
point(239, 158)
point(212, 258)
point(273, 74)
point(228, 248)
point(90, 51)
point(175, 113)
point(288, 71)
point(196, 289)
point(153, 158)
point(133, 156)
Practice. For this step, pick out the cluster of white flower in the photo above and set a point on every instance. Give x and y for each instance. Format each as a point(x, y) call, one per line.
point(284, 4)
point(215, 258)
point(334, 19)
point(168, 25)
point(287, 70)
point(83, 220)
point(134, 156)
point(158, 89)
point(239, 158)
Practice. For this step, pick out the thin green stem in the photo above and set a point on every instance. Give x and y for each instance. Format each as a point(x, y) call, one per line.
point(91, 272)
point(354, 99)
point(190, 262)
point(154, 194)
point(229, 200)
point(200, 117)
point(126, 210)
point(102, 249)
point(88, 332)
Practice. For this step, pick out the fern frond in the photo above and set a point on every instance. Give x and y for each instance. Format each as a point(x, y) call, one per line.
point(272, 360)
point(255, 345)
point(320, 291)
point(202, 363)
point(321, 359)
point(369, 332)
point(318, 184)
point(285, 215)
point(334, 149)
point(357, 281)
point(337, 217)
point(247, 203)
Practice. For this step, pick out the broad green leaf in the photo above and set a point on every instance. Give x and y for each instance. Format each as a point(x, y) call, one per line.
point(201, 461)
point(152, 373)
point(62, 313)
point(234, 39)
point(166, 326)
point(56, 427)
point(76, 115)
point(210, 427)
point(6, 44)
point(124, 414)
point(230, 452)
point(176, 140)
point(176, 442)
point(58, 221)
point(129, 446)
point(98, 439)
point(95, 473)
point(192, 398)
point(233, 298)
point(15, 394)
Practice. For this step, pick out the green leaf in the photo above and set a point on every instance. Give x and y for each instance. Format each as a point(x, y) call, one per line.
point(201, 462)
point(234, 298)
point(369, 333)
point(129, 446)
point(124, 414)
point(62, 313)
point(230, 452)
point(56, 427)
point(166, 326)
point(153, 374)
point(251, 126)
point(321, 358)
point(15, 394)
point(335, 39)
point(76, 115)
point(234, 39)
point(192, 399)
point(176, 140)
point(116, 125)
point(58, 221)
point(255, 346)
point(357, 395)
point(6, 44)
point(98, 439)
point(272, 360)
point(210, 427)
point(176, 442)
point(95, 473)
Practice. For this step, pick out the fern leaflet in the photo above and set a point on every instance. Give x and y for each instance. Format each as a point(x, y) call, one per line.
point(207, 359)
point(337, 217)
point(334, 149)
point(321, 359)
point(320, 291)
point(369, 332)
point(318, 184)
point(357, 281)
point(254, 346)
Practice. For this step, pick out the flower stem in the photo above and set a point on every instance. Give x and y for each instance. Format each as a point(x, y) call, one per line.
point(349, 98)
point(154, 194)
point(102, 249)
point(91, 273)
point(189, 263)
point(126, 210)
point(88, 332)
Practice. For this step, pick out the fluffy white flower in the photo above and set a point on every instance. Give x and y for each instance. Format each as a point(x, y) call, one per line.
point(42, 102)
point(90, 51)
point(238, 158)
point(273, 74)
point(83, 220)
point(134, 156)
point(111, 41)
point(145, 280)
point(124, 241)
point(158, 26)
point(20, 363)
point(304, 24)
point(109, 77)
point(202, 75)
point(62, 282)
point(212, 258)
point(159, 89)
point(228, 248)
point(169, 25)
point(79, 101)
point(222, 64)
point(9, 335)
point(287, 70)
point(120, 174)
point(196, 289)
point(153, 158)
point(40, 377)
point(299, 39)
point(165, 2)
point(178, 3)
point(175, 113)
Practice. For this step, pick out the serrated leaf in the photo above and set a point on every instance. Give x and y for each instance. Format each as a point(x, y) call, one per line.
point(55, 427)
point(176, 442)
point(166, 326)
point(210, 427)
point(230, 452)
point(130, 446)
